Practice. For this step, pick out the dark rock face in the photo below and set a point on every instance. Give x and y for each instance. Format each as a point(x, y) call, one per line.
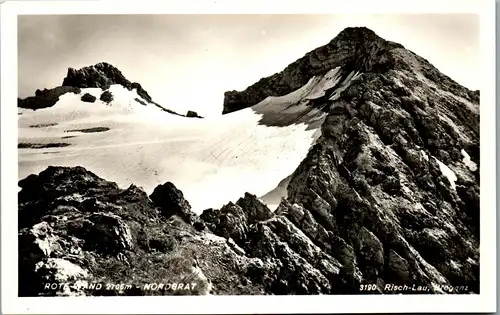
point(355, 48)
point(46, 98)
point(102, 75)
point(138, 100)
point(88, 98)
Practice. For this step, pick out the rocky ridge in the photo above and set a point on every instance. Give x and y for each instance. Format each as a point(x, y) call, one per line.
point(101, 75)
point(389, 194)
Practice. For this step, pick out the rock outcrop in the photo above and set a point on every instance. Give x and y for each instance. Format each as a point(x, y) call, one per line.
point(354, 48)
point(387, 196)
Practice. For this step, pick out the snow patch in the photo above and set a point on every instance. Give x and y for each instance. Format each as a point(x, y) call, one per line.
point(452, 177)
point(468, 162)
point(424, 155)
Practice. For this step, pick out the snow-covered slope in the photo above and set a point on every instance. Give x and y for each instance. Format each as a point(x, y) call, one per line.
point(211, 160)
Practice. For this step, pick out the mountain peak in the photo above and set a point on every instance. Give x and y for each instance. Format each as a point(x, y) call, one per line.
point(353, 49)
point(356, 31)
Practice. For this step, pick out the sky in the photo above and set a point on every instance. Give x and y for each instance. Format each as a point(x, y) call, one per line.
point(187, 62)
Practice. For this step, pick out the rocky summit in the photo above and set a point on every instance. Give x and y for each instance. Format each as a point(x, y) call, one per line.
point(385, 202)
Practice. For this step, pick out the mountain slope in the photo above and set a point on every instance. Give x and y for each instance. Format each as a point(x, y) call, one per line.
point(262, 144)
point(388, 194)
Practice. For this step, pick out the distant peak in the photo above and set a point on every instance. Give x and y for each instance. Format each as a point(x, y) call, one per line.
point(356, 31)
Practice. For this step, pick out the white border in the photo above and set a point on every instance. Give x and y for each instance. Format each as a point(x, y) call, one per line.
point(485, 302)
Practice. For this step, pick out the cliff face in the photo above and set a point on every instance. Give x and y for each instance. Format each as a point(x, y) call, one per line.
point(388, 195)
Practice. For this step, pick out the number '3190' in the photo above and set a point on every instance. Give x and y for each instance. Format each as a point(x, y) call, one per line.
point(367, 287)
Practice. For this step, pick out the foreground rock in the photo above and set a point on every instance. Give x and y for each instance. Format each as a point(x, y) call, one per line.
point(191, 113)
point(354, 48)
point(102, 75)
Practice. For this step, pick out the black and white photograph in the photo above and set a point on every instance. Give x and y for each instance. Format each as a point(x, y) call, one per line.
point(249, 154)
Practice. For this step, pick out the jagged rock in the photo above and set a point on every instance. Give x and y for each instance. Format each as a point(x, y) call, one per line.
point(106, 96)
point(88, 98)
point(72, 220)
point(398, 268)
point(101, 75)
point(376, 170)
point(108, 234)
point(140, 101)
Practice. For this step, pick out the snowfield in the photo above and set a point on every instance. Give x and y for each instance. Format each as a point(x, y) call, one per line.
point(213, 160)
